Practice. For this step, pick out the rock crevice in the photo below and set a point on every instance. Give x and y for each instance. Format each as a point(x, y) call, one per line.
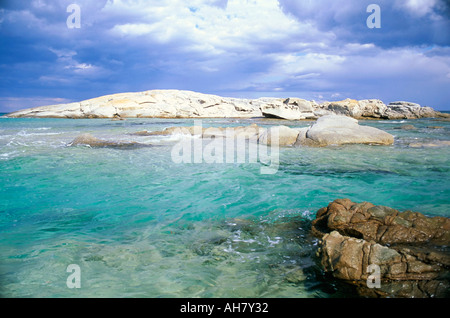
point(411, 250)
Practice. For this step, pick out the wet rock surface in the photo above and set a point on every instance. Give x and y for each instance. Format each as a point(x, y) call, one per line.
point(410, 250)
point(94, 142)
point(326, 131)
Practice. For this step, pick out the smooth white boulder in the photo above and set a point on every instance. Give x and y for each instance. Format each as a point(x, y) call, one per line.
point(279, 135)
point(339, 130)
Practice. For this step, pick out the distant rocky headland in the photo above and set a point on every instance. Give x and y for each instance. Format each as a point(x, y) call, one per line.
point(187, 104)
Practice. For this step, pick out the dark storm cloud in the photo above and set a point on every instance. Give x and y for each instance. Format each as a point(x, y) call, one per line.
point(312, 49)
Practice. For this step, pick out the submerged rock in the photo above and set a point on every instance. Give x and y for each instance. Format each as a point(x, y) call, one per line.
point(406, 127)
point(434, 144)
point(249, 132)
point(89, 140)
point(192, 130)
point(410, 250)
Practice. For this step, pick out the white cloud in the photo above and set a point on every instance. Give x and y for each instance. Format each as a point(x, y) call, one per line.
point(54, 79)
point(378, 73)
point(356, 47)
point(304, 66)
point(304, 48)
point(241, 25)
point(2, 16)
point(417, 7)
point(63, 53)
point(134, 29)
point(83, 66)
point(67, 63)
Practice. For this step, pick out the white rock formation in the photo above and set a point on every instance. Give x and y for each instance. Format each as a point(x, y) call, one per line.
point(187, 104)
point(340, 130)
point(407, 110)
point(290, 109)
point(280, 135)
point(149, 104)
point(327, 130)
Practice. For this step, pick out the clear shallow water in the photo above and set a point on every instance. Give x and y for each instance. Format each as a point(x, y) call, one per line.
point(140, 225)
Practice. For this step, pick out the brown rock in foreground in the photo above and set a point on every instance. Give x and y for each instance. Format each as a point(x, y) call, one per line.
point(410, 250)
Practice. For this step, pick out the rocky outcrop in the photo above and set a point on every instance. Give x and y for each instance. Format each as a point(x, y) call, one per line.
point(290, 109)
point(406, 127)
point(340, 130)
point(410, 251)
point(187, 104)
point(434, 144)
point(150, 104)
point(326, 131)
point(249, 132)
point(284, 135)
point(375, 108)
point(371, 108)
point(407, 110)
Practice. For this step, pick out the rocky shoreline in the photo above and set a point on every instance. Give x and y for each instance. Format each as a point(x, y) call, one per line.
point(410, 250)
point(187, 104)
point(326, 131)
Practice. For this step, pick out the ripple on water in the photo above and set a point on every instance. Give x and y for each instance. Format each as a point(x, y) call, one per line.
point(140, 225)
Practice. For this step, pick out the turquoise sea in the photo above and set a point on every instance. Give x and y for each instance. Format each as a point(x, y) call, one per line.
point(139, 225)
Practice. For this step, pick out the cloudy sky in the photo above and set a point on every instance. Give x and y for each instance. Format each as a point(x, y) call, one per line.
point(313, 49)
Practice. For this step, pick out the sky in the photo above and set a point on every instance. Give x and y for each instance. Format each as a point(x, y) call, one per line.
point(320, 50)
